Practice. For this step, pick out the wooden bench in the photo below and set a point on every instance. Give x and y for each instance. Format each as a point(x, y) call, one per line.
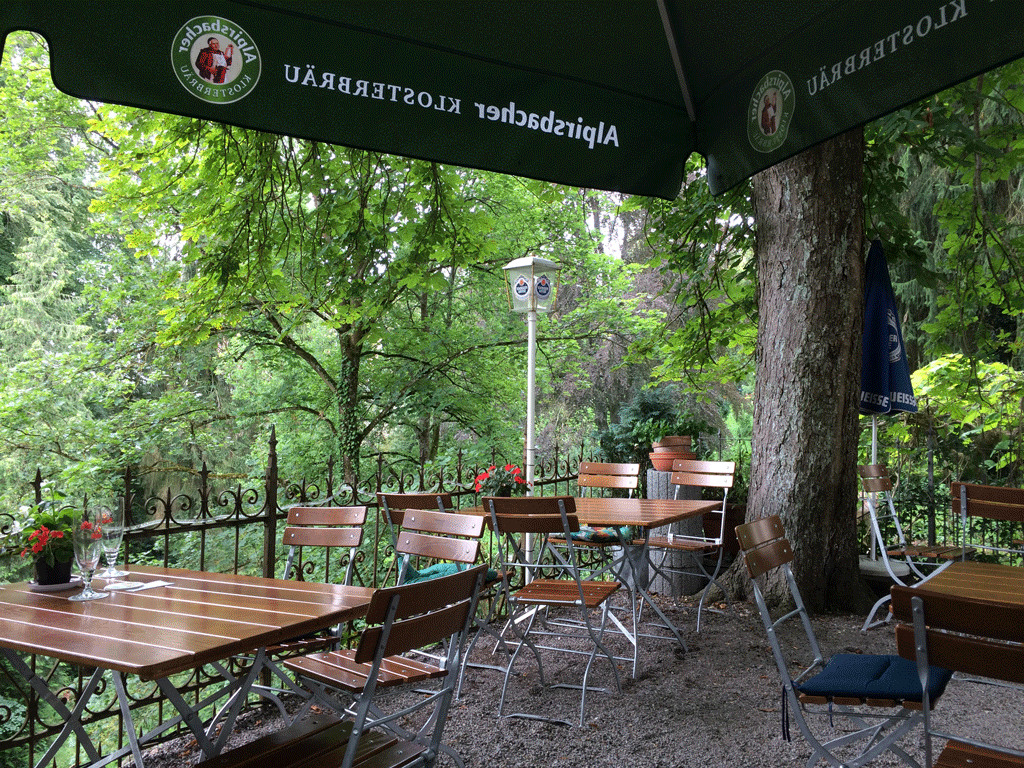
point(318, 741)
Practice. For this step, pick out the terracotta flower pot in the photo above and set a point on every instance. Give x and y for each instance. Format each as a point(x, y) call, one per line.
point(663, 460)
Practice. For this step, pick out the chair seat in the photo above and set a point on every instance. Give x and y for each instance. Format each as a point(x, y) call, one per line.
point(936, 552)
point(682, 544)
point(339, 669)
point(555, 591)
point(298, 646)
point(862, 678)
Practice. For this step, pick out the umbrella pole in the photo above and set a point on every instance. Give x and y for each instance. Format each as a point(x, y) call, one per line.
point(874, 460)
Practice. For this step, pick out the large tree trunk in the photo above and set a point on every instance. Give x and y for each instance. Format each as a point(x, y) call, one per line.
point(810, 238)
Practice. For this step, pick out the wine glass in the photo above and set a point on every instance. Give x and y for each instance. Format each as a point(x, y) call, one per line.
point(87, 537)
point(112, 526)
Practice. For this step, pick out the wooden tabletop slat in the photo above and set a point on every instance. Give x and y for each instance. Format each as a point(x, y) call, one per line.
point(981, 581)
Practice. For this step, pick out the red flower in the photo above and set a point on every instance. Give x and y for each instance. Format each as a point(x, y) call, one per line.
point(495, 481)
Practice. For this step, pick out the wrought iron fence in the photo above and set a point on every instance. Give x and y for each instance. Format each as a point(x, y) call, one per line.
point(225, 529)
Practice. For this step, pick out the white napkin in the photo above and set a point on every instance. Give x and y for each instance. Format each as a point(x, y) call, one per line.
point(135, 586)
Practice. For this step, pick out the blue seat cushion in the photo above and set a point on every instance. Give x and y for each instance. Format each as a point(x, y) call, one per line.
point(600, 535)
point(872, 676)
point(438, 570)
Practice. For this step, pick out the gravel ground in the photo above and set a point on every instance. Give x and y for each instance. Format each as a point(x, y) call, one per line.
point(717, 705)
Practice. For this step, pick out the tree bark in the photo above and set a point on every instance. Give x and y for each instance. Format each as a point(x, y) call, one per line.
point(810, 254)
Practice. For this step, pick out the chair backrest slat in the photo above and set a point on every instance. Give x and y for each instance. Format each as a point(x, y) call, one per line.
point(959, 613)
point(989, 501)
point(322, 537)
point(600, 468)
point(444, 523)
point(327, 515)
point(701, 480)
point(418, 597)
point(510, 522)
point(769, 556)
point(438, 547)
point(594, 474)
point(393, 505)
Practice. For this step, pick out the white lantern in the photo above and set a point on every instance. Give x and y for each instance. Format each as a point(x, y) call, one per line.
point(532, 284)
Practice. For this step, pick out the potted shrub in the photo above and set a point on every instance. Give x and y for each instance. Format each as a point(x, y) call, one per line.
point(45, 535)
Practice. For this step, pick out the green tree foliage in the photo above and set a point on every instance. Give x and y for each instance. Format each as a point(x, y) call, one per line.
point(350, 296)
point(977, 408)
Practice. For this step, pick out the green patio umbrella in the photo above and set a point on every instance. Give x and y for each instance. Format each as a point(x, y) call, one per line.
point(608, 94)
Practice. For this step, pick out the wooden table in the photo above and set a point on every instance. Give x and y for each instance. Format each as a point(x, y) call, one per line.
point(646, 515)
point(201, 618)
point(993, 582)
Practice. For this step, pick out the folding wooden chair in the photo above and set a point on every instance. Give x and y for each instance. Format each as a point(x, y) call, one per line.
point(914, 563)
point(448, 542)
point(595, 478)
point(352, 683)
point(979, 503)
point(339, 528)
point(697, 474)
point(332, 529)
point(594, 474)
point(856, 687)
point(965, 635)
point(431, 540)
point(571, 599)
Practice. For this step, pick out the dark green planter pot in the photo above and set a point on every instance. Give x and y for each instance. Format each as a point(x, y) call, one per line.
point(59, 573)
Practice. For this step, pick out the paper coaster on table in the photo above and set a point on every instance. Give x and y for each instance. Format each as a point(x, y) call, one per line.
point(117, 586)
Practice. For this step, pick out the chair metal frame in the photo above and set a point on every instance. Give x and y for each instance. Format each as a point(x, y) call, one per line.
point(698, 474)
point(877, 483)
point(400, 620)
point(542, 516)
point(765, 548)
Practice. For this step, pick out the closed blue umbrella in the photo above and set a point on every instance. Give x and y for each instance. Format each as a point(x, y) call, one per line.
point(884, 377)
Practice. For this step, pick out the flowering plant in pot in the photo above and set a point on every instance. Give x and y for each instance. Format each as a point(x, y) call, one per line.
point(504, 480)
point(45, 535)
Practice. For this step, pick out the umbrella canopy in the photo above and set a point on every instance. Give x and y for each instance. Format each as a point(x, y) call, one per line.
point(884, 376)
point(600, 94)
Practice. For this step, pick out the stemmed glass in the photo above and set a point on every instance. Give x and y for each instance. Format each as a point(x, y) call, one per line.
point(87, 537)
point(112, 526)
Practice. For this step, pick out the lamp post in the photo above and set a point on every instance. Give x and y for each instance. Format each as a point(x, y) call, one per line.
point(531, 287)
